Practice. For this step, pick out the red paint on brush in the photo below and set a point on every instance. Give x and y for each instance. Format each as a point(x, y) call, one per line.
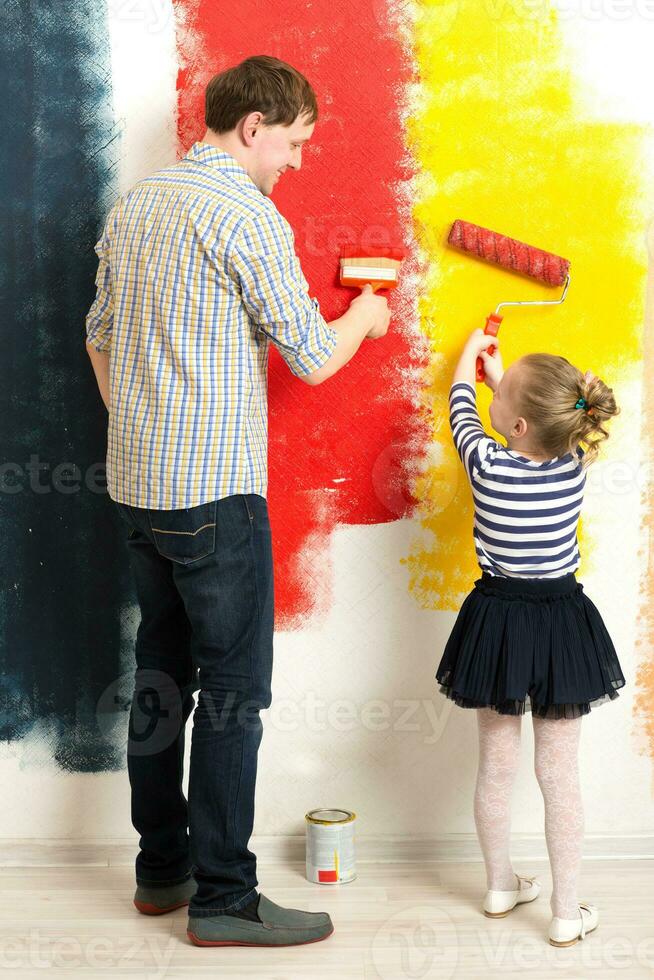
point(361, 252)
point(509, 252)
point(371, 256)
point(339, 452)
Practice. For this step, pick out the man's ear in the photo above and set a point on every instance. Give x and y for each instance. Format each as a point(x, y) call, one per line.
point(248, 127)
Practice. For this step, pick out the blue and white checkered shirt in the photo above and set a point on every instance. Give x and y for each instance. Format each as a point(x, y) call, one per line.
point(197, 275)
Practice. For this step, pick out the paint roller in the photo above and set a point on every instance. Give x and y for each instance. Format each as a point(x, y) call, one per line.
point(514, 255)
point(377, 267)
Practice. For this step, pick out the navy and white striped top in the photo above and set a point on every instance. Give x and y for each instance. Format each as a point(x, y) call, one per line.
point(526, 512)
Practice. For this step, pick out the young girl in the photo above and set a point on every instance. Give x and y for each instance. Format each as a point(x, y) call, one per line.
point(527, 638)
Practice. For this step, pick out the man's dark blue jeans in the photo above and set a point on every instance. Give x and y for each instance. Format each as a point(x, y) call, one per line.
point(204, 582)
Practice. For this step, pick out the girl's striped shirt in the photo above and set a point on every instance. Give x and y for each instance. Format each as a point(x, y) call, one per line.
point(526, 512)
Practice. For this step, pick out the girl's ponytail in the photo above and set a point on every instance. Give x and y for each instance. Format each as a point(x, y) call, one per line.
point(599, 406)
point(565, 407)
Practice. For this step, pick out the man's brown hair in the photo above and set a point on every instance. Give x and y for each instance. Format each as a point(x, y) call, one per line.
point(259, 84)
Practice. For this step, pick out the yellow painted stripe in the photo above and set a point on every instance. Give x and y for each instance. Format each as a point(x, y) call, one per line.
point(501, 138)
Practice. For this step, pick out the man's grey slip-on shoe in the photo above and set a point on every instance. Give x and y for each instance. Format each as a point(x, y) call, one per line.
point(157, 899)
point(278, 927)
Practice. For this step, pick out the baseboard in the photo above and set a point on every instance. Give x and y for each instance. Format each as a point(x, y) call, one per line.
point(120, 852)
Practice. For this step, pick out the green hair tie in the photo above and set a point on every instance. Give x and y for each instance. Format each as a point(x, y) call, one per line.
point(581, 403)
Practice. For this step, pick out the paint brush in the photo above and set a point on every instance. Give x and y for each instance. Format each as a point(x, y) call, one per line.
point(377, 267)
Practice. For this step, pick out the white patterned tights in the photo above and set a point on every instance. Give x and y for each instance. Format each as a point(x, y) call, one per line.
point(556, 743)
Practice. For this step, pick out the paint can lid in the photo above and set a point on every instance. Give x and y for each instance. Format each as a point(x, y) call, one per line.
point(325, 816)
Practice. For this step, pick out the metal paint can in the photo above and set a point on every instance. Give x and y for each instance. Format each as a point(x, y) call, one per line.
point(330, 846)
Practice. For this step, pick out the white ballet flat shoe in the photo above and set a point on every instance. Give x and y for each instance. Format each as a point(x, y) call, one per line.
point(500, 903)
point(567, 932)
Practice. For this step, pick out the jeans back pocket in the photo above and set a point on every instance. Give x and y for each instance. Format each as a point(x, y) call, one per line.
point(185, 535)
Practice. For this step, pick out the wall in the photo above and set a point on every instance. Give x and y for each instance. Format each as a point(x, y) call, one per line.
point(509, 115)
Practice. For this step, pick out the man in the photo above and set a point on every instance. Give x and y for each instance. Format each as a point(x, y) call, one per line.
point(197, 276)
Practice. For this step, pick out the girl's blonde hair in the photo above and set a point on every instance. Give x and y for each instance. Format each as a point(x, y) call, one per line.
point(548, 391)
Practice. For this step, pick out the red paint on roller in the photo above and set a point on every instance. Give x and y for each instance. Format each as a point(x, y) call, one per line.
point(509, 252)
point(514, 255)
point(339, 453)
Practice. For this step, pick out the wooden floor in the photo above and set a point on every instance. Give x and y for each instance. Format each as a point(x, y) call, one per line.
point(399, 921)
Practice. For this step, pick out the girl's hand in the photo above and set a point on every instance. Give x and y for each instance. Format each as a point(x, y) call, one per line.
point(479, 341)
point(493, 367)
point(475, 346)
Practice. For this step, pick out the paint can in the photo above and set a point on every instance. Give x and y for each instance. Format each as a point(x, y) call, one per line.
point(330, 846)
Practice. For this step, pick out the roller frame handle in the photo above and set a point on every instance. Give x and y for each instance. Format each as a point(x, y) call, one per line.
point(492, 326)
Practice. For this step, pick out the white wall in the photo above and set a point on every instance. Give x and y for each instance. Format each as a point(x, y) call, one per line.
point(407, 767)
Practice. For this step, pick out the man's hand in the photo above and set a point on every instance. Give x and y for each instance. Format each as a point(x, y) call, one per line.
point(367, 316)
point(374, 309)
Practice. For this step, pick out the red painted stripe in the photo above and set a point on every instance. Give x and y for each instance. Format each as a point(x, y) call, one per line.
point(357, 427)
point(327, 876)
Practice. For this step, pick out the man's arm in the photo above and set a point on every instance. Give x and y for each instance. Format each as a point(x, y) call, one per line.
point(100, 318)
point(366, 316)
point(100, 363)
point(274, 291)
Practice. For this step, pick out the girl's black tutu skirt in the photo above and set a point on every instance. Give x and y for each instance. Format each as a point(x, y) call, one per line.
point(529, 644)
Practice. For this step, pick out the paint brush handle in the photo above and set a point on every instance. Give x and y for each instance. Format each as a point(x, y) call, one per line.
point(492, 326)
